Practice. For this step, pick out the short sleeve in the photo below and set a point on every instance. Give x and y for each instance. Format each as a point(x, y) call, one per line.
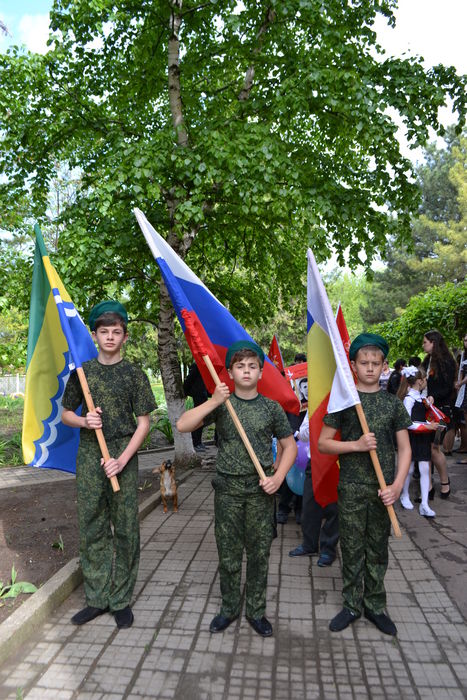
point(143, 397)
point(73, 395)
point(402, 420)
point(282, 427)
point(333, 420)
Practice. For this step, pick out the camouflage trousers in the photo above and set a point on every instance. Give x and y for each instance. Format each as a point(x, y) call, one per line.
point(109, 560)
point(364, 531)
point(243, 521)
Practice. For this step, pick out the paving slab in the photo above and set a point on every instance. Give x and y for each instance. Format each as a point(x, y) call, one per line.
point(169, 652)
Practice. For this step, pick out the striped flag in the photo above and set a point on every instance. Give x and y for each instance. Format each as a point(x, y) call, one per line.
point(206, 323)
point(331, 387)
point(58, 341)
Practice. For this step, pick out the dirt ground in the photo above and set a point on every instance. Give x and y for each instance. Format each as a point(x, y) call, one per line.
point(32, 520)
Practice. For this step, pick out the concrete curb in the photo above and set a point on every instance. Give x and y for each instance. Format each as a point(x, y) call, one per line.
point(19, 626)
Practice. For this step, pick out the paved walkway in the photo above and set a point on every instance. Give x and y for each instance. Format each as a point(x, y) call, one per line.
point(169, 653)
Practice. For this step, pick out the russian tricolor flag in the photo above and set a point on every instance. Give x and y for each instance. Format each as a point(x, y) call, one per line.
point(208, 326)
point(331, 386)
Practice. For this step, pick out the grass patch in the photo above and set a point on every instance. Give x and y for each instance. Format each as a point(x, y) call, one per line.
point(11, 421)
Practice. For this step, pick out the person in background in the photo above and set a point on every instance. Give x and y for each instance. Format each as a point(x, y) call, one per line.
point(410, 392)
point(461, 400)
point(320, 525)
point(396, 376)
point(440, 367)
point(194, 386)
point(288, 499)
point(385, 374)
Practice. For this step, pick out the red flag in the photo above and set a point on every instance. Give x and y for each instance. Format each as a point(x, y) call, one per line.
point(275, 354)
point(343, 332)
point(296, 371)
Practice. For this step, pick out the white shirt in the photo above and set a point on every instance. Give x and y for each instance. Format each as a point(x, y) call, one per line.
point(304, 433)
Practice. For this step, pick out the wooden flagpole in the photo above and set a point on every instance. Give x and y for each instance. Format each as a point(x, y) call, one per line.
point(378, 470)
point(99, 434)
point(238, 425)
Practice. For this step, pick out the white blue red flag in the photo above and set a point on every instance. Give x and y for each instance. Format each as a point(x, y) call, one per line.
point(208, 326)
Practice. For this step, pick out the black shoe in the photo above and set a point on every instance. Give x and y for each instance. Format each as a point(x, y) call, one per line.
point(382, 622)
point(342, 620)
point(300, 551)
point(281, 517)
point(220, 623)
point(87, 614)
point(445, 494)
point(124, 618)
point(261, 626)
point(325, 559)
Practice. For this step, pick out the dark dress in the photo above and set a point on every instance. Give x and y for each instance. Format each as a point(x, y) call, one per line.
point(420, 442)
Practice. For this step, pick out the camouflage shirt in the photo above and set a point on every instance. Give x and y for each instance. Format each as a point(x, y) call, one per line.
point(122, 391)
point(385, 414)
point(262, 419)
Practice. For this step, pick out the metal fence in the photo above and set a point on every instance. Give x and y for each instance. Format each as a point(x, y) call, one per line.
point(12, 384)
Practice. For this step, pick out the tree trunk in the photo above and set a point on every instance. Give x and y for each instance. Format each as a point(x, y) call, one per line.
point(172, 378)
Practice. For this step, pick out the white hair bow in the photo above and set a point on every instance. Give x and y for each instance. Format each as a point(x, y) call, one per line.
point(409, 371)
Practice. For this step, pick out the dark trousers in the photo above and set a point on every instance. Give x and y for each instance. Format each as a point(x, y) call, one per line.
point(320, 526)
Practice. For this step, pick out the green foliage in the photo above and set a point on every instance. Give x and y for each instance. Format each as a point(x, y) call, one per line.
point(11, 416)
point(443, 308)
point(437, 253)
point(163, 424)
point(59, 544)
point(14, 588)
point(352, 292)
point(272, 133)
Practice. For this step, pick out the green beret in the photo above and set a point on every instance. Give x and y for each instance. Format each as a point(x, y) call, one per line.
point(104, 307)
point(244, 345)
point(364, 339)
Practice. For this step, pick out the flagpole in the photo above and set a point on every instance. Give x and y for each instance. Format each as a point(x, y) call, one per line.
point(99, 433)
point(378, 470)
point(236, 420)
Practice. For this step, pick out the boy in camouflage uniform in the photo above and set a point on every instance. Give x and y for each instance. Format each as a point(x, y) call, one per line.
point(244, 507)
point(363, 518)
point(120, 392)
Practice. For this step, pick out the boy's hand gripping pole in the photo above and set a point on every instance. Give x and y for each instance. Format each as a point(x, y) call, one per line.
point(99, 434)
point(236, 420)
point(378, 470)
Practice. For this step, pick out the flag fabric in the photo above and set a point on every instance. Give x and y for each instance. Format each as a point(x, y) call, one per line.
point(343, 332)
point(215, 327)
point(58, 341)
point(275, 354)
point(296, 371)
point(331, 387)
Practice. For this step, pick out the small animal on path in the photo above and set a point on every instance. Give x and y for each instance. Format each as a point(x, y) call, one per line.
point(168, 485)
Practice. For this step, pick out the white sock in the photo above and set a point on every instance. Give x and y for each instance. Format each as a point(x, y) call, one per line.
point(405, 488)
point(424, 468)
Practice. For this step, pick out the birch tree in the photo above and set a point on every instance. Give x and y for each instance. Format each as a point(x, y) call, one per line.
point(245, 131)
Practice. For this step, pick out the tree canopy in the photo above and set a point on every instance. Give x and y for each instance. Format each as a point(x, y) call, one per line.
point(245, 132)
